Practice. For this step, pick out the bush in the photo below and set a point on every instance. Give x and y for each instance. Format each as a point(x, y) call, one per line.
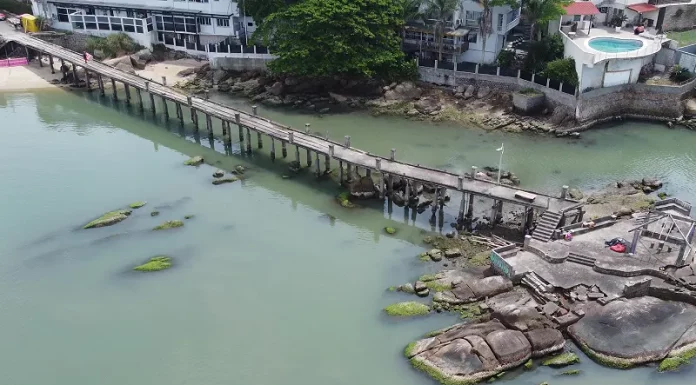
point(679, 74)
point(14, 6)
point(529, 91)
point(544, 51)
point(506, 59)
point(114, 45)
point(562, 70)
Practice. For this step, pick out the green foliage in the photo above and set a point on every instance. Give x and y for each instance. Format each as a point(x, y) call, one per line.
point(561, 360)
point(412, 10)
point(260, 9)
point(407, 309)
point(562, 70)
point(529, 91)
point(114, 45)
point(540, 12)
point(356, 38)
point(679, 74)
point(137, 205)
point(390, 230)
point(671, 363)
point(506, 59)
point(158, 263)
point(541, 52)
point(14, 6)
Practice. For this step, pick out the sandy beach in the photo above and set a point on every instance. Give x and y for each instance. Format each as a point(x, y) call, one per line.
point(170, 69)
point(30, 77)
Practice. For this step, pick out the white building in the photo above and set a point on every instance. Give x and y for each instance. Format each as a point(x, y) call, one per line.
point(463, 41)
point(195, 26)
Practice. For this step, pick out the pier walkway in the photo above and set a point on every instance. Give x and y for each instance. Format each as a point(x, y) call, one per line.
point(387, 167)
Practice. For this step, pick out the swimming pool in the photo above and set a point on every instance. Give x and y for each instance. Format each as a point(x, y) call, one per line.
point(614, 45)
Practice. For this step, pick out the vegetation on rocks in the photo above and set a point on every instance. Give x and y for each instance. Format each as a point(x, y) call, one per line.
point(572, 372)
point(344, 199)
point(390, 230)
point(674, 362)
point(407, 309)
point(154, 213)
point(529, 365)
point(114, 45)
point(157, 263)
point(108, 219)
point(230, 179)
point(561, 360)
point(169, 225)
point(137, 205)
point(195, 161)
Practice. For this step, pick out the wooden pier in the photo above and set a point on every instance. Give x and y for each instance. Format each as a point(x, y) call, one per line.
point(323, 149)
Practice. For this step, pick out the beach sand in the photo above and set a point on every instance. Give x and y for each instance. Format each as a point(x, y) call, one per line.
point(30, 77)
point(170, 69)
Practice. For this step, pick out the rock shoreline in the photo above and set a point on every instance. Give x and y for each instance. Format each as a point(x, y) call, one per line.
point(468, 105)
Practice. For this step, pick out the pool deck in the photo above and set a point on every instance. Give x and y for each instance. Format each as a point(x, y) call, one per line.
point(650, 46)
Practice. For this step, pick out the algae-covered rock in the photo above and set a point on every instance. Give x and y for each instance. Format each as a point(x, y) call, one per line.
point(529, 365)
point(672, 363)
point(218, 174)
point(407, 288)
point(239, 170)
point(344, 199)
point(189, 216)
point(561, 360)
point(169, 225)
point(137, 205)
point(157, 263)
point(154, 213)
point(572, 372)
point(108, 219)
point(224, 180)
point(390, 230)
point(407, 309)
point(195, 161)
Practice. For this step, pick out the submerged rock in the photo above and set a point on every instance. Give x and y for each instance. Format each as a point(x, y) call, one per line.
point(108, 219)
point(407, 309)
point(160, 262)
point(154, 213)
point(195, 161)
point(169, 225)
point(561, 360)
point(137, 205)
point(390, 230)
point(224, 180)
point(218, 174)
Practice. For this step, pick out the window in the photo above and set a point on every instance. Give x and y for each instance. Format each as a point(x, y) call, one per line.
point(63, 14)
point(103, 23)
point(576, 17)
point(473, 37)
point(223, 22)
point(130, 13)
point(204, 20)
point(472, 17)
point(501, 18)
point(603, 9)
point(250, 24)
point(199, 1)
point(89, 11)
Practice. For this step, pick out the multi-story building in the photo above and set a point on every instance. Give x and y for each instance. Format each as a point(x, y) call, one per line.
point(463, 40)
point(197, 26)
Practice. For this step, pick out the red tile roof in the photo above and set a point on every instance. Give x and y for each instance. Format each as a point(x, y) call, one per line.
point(642, 8)
point(581, 8)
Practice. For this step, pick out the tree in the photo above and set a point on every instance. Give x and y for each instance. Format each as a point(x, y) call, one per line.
point(337, 37)
point(441, 11)
point(540, 12)
point(412, 10)
point(562, 70)
point(260, 9)
point(486, 20)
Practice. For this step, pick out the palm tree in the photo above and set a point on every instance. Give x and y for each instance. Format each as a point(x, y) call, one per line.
point(441, 11)
point(486, 20)
point(412, 10)
point(540, 12)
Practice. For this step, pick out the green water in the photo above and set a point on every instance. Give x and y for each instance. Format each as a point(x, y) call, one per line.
point(272, 282)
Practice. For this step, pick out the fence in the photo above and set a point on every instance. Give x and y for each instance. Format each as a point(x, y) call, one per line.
point(500, 72)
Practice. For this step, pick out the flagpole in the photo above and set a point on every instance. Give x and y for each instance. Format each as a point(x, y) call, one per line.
point(500, 162)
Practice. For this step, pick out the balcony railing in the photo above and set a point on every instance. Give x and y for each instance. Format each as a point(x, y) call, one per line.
point(665, 2)
point(422, 45)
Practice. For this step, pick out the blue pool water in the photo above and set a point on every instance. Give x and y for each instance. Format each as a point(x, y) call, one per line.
point(614, 45)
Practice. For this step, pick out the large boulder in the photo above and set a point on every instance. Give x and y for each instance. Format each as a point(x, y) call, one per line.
point(362, 187)
point(276, 89)
point(545, 341)
point(403, 91)
point(427, 106)
point(690, 107)
point(470, 89)
point(220, 76)
point(511, 347)
point(137, 63)
point(127, 68)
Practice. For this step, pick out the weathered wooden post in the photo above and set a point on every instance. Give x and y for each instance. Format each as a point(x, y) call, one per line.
point(64, 70)
point(74, 75)
point(100, 81)
point(50, 62)
point(390, 180)
point(38, 55)
point(165, 108)
point(248, 143)
point(378, 166)
point(349, 171)
point(140, 98)
point(306, 128)
point(89, 87)
point(259, 140)
point(224, 128)
point(327, 159)
point(309, 158)
point(128, 96)
point(113, 87)
point(340, 171)
point(194, 116)
point(209, 124)
point(152, 98)
point(316, 155)
point(254, 110)
point(470, 210)
point(237, 119)
point(473, 172)
point(284, 149)
point(564, 192)
point(164, 80)
point(462, 205)
point(180, 113)
point(407, 190)
point(273, 155)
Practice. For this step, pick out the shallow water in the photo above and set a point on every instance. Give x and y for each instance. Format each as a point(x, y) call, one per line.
point(273, 283)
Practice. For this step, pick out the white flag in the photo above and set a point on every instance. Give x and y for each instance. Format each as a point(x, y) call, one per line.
point(501, 147)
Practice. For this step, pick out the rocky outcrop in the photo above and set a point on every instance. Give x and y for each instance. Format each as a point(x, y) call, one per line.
point(108, 219)
point(403, 91)
point(466, 353)
point(453, 290)
point(363, 188)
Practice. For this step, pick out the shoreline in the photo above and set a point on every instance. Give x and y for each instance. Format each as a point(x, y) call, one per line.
point(28, 78)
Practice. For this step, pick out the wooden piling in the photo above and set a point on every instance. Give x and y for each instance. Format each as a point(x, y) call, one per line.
point(87, 85)
point(340, 171)
point(139, 95)
point(316, 159)
point(297, 155)
point(209, 124)
point(259, 140)
point(309, 158)
point(284, 149)
point(165, 108)
point(248, 143)
point(74, 75)
point(273, 154)
point(113, 88)
point(100, 81)
point(237, 120)
point(327, 164)
point(50, 62)
point(180, 113)
point(38, 54)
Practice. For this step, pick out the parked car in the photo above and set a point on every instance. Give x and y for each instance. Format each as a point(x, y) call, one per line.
point(2, 16)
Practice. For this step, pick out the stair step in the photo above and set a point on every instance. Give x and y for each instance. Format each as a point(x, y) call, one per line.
point(675, 207)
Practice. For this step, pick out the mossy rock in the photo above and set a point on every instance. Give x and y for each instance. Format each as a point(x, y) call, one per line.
point(239, 170)
point(572, 372)
point(344, 199)
point(108, 219)
point(671, 364)
point(160, 262)
point(407, 309)
point(529, 365)
point(154, 213)
point(169, 225)
point(230, 179)
point(662, 195)
point(425, 257)
point(561, 360)
point(195, 161)
point(390, 230)
point(137, 205)
point(189, 216)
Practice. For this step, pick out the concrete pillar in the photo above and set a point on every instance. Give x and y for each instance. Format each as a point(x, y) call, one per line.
point(254, 110)
point(327, 164)
point(165, 108)
point(331, 150)
point(309, 158)
point(87, 85)
point(259, 140)
point(393, 154)
point(237, 119)
point(63, 69)
point(564, 192)
point(100, 81)
point(494, 213)
point(50, 62)
point(316, 156)
point(38, 54)
point(378, 166)
point(390, 184)
point(224, 127)
point(139, 95)
point(349, 172)
point(154, 106)
point(473, 172)
point(462, 208)
point(248, 143)
point(209, 124)
point(527, 241)
point(180, 113)
point(306, 127)
point(284, 149)
point(347, 141)
point(128, 96)
point(164, 80)
point(74, 75)
point(272, 149)
point(297, 155)
point(113, 87)
point(194, 118)
point(407, 194)
point(340, 172)
point(470, 209)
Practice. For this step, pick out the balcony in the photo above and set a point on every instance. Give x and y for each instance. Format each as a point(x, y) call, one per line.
point(411, 45)
point(666, 2)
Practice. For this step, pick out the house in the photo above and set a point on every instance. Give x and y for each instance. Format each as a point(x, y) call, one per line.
point(195, 26)
point(462, 40)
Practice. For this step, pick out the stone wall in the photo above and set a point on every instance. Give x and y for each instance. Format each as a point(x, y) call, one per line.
point(239, 64)
point(73, 41)
point(679, 17)
point(637, 289)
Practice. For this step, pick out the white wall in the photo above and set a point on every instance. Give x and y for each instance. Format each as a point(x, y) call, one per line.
point(591, 77)
point(493, 47)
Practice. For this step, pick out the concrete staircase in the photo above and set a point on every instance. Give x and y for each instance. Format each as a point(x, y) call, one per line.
point(675, 205)
point(542, 291)
point(581, 259)
point(547, 225)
